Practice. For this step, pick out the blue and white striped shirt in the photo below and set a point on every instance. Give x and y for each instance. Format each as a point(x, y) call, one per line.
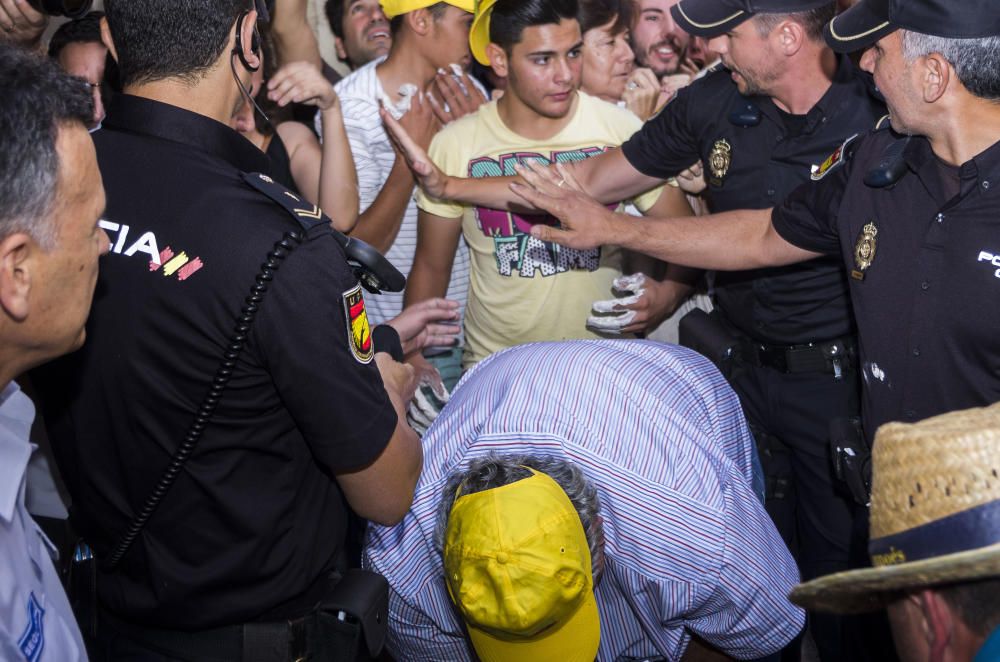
point(689, 548)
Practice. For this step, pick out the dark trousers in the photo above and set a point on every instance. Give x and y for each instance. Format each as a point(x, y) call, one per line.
point(790, 416)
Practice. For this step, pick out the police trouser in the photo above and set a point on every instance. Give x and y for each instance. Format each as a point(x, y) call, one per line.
point(790, 414)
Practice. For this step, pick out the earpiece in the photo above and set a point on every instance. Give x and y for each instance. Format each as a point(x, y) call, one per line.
point(254, 43)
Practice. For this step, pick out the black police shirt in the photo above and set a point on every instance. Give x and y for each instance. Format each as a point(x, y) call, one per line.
point(754, 155)
point(924, 264)
point(256, 521)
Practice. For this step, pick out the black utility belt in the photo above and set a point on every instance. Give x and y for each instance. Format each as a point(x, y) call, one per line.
point(348, 625)
point(831, 357)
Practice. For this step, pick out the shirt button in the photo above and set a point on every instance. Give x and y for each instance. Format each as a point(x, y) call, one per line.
point(986, 184)
point(940, 217)
point(916, 351)
point(909, 413)
point(770, 192)
point(925, 286)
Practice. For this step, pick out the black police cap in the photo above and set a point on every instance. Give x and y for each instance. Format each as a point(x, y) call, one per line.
point(870, 20)
point(711, 18)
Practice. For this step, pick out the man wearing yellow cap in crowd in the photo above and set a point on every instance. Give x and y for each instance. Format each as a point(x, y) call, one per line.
point(427, 37)
point(521, 289)
point(609, 519)
point(935, 539)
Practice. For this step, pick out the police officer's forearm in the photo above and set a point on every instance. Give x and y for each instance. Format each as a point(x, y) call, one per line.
point(608, 177)
point(379, 224)
point(730, 241)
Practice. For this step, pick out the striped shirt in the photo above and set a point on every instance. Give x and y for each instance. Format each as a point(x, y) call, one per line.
point(374, 156)
point(688, 546)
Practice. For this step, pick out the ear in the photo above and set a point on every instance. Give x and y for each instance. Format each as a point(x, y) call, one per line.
point(106, 38)
point(498, 59)
point(247, 28)
point(420, 21)
point(789, 37)
point(16, 262)
point(937, 73)
point(937, 622)
point(338, 46)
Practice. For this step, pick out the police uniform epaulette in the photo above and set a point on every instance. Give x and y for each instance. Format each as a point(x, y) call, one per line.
point(718, 66)
point(306, 213)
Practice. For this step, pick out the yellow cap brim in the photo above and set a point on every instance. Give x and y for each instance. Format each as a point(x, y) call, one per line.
point(479, 34)
point(393, 8)
point(576, 640)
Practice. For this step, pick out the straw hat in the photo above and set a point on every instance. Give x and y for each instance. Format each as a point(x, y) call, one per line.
point(935, 512)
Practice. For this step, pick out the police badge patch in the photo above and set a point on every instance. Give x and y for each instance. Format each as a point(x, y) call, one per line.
point(359, 333)
point(832, 162)
point(719, 160)
point(864, 250)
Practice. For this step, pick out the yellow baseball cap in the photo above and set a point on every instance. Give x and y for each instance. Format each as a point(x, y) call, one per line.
point(393, 8)
point(518, 567)
point(479, 34)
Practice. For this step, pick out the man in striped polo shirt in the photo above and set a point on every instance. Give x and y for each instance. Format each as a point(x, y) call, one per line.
point(427, 37)
point(650, 446)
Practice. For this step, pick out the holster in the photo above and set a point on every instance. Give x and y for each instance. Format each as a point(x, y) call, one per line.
point(851, 457)
point(707, 335)
point(360, 597)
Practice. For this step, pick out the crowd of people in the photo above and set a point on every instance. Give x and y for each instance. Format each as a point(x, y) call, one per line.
point(608, 330)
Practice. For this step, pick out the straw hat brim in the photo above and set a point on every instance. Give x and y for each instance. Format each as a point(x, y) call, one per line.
point(868, 589)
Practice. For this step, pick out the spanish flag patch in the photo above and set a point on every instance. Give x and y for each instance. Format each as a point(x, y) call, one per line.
point(359, 332)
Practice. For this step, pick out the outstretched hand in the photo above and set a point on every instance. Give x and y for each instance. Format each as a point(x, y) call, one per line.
point(586, 223)
point(301, 82)
point(429, 177)
point(426, 324)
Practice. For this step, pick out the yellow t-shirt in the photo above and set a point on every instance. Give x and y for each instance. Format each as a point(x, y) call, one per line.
point(523, 289)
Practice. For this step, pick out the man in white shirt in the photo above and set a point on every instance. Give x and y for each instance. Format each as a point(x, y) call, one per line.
point(51, 196)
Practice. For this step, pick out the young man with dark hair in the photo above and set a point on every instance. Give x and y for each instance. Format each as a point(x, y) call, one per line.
point(522, 290)
point(50, 200)
point(360, 30)
point(212, 346)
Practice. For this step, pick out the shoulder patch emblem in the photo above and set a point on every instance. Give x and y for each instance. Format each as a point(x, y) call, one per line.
point(359, 332)
point(832, 162)
point(32, 641)
point(719, 160)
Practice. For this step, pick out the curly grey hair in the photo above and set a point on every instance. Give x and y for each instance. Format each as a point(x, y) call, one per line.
point(495, 471)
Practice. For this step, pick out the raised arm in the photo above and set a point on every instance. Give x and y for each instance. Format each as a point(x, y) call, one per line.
point(607, 177)
point(293, 38)
point(379, 223)
point(325, 174)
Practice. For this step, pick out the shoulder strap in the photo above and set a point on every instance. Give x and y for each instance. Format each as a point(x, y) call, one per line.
point(306, 213)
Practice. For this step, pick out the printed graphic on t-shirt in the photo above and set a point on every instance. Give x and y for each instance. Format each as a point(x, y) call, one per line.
point(513, 246)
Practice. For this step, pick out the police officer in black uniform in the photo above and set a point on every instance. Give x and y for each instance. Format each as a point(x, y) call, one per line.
point(227, 314)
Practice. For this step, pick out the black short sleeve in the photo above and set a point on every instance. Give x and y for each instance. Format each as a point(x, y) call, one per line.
point(808, 216)
point(338, 403)
point(666, 144)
